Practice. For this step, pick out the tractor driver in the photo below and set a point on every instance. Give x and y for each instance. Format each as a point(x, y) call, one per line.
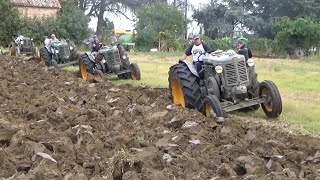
point(241, 46)
point(95, 44)
point(197, 49)
point(18, 38)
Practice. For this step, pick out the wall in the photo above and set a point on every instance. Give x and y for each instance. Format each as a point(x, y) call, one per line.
point(37, 12)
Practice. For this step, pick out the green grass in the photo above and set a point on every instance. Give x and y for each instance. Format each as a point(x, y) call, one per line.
point(298, 83)
point(291, 75)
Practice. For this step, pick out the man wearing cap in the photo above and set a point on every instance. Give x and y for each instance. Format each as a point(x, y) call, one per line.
point(197, 49)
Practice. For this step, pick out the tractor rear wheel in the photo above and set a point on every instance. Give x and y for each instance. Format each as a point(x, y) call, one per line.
point(86, 66)
point(12, 49)
point(135, 73)
point(45, 56)
point(273, 105)
point(211, 107)
point(184, 87)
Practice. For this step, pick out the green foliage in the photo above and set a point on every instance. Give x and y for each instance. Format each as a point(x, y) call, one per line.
point(73, 21)
point(218, 20)
point(9, 22)
point(261, 46)
point(159, 24)
point(225, 43)
point(39, 28)
point(290, 34)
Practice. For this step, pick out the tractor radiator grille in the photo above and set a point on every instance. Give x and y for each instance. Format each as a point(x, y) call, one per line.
point(236, 73)
point(26, 43)
point(64, 51)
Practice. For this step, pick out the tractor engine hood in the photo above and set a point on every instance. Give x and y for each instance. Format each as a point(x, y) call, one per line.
point(225, 57)
point(107, 50)
point(58, 44)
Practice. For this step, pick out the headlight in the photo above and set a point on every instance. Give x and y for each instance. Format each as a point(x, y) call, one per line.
point(218, 69)
point(124, 57)
point(57, 51)
point(21, 42)
point(250, 62)
point(71, 48)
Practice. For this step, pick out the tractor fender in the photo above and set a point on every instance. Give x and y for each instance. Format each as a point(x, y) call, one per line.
point(191, 67)
point(90, 56)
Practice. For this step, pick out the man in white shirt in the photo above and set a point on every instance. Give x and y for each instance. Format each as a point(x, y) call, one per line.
point(18, 39)
point(47, 42)
point(197, 49)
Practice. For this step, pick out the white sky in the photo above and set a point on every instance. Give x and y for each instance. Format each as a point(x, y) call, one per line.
point(120, 22)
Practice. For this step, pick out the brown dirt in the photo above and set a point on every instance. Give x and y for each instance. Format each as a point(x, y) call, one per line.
point(100, 131)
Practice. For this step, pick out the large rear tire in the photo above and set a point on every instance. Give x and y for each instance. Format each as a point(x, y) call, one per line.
point(86, 66)
point(45, 56)
point(273, 107)
point(184, 87)
point(211, 107)
point(12, 49)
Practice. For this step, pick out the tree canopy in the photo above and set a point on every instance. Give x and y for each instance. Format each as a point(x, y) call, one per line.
point(159, 22)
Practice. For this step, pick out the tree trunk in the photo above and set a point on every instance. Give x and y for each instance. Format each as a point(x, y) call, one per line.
point(101, 17)
point(185, 16)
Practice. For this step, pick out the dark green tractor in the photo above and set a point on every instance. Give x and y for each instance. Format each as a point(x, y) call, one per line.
point(61, 53)
point(24, 46)
point(108, 61)
point(227, 82)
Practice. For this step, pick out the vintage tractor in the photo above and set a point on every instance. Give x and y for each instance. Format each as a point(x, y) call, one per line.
point(108, 61)
point(25, 46)
point(61, 53)
point(227, 82)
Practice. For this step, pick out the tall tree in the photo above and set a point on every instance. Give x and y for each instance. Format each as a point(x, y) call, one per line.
point(160, 24)
point(9, 22)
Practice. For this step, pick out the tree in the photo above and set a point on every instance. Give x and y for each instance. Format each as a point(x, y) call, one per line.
point(217, 20)
point(9, 22)
point(160, 24)
point(72, 19)
point(98, 8)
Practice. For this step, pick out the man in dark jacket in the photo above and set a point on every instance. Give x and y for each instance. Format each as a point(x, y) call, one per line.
point(96, 45)
point(197, 50)
point(241, 46)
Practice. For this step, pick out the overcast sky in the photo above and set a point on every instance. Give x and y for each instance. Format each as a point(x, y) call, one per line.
point(121, 22)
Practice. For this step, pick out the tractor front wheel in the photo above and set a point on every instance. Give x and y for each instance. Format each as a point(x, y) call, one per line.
point(273, 105)
point(211, 107)
point(135, 73)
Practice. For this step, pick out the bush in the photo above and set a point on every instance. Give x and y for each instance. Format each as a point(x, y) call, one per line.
point(290, 34)
point(221, 43)
point(261, 46)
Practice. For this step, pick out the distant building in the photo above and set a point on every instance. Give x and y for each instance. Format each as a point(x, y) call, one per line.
point(37, 8)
